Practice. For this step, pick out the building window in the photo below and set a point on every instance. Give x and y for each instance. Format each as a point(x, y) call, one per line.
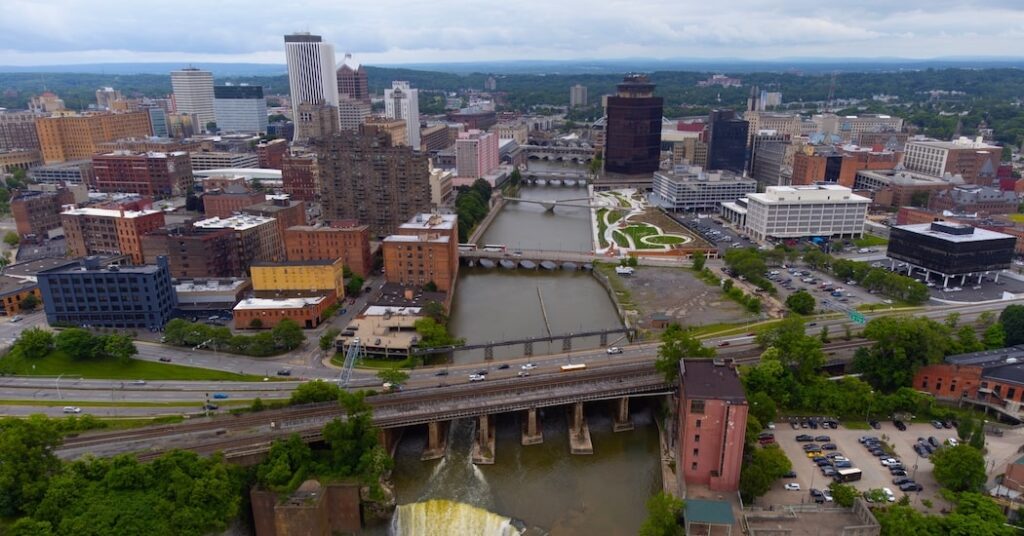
point(1010, 393)
point(924, 382)
point(693, 466)
point(696, 438)
point(698, 423)
point(697, 406)
point(696, 452)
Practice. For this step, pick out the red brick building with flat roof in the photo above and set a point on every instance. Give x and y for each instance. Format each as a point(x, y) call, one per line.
point(712, 424)
point(151, 174)
point(231, 200)
point(271, 153)
point(351, 244)
point(991, 379)
point(286, 211)
point(299, 175)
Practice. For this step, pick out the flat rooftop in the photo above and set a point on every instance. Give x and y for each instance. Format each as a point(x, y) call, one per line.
point(211, 285)
point(429, 222)
point(284, 303)
point(978, 235)
point(314, 262)
point(711, 379)
point(414, 238)
point(813, 193)
point(240, 222)
point(109, 212)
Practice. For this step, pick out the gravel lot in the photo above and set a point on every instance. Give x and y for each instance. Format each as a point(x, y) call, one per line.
point(679, 294)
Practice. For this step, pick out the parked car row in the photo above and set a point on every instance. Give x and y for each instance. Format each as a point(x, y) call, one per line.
point(814, 423)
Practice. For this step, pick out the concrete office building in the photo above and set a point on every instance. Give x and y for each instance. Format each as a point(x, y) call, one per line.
point(783, 212)
point(402, 102)
point(951, 250)
point(194, 94)
point(46, 103)
point(688, 188)
point(975, 199)
point(106, 96)
point(71, 172)
point(13, 159)
point(350, 243)
point(396, 129)
point(849, 128)
point(158, 120)
point(93, 295)
point(974, 160)
point(712, 424)
point(633, 128)
point(781, 123)
point(441, 190)
point(367, 179)
point(727, 141)
point(256, 238)
point(768, 165)
point(240, 109)
point(476, 154)
point(18, 130)
point(353, 113)
point(316, 121)
point(897, 188)
point(150, 145)
point(150, 174)
point(103, 231)
point(77, 136)
point(425, 249)
point(223, 160)
point(193, 252)
point(311, 75)
point(352, 80)
point(577, 96)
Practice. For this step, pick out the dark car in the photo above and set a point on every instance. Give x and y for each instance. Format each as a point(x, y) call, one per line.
point(875, 424)
point(823, 439)
point(947, 424)
point(900, 480)
point(813, 424)
point(900, 426)
point(804, 438)
point(911, 486)
point(828, 471)
point(165, 360)
point(898, 472)
point(284, 372)
point(503, 366)
point(937, 425)
point(791, 474)
point(828, 446)
point(811, 446)
point(210, 406)
point(441, 373)
point(481, 372)
point(843, 464)
point(821, 462)
point(935, 442)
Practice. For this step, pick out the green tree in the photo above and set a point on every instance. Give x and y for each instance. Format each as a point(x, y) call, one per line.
point(354, 285)
point(11, 238)
point(843, 494)
point(78, 343)
point(967, 340)
point(435, 309)
point(257, 405)
point(327, 339)
point(1012, 319)
point(678, 343)
point(27, 462)
point(902, 345)
point(119, 347)
point(663, 513)
point(959, 468)
point(986, 319)
point(434, 335)
point(314, 392)
point(27, 526)
point(287, 465)
point(287, 334)
point(430, 286)
point(766, 465)
point(823, 335)
point(211, 126)
point(354, 449)
point(952, 319)
point(699, 259)
point(34, 343)
point(29, 303)
point(762, 407)
point(394, 376)
point(797, 350)
point(994, 337)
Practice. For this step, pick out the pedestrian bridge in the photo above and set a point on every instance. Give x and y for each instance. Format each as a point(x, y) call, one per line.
point(550, 204)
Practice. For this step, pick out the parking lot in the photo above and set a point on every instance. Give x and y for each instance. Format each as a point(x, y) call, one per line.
point(720, 235)
point(875, 475)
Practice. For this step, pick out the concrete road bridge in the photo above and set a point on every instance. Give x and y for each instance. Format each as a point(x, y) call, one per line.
point(559, 152)
point(550, 204)
point(528, 342)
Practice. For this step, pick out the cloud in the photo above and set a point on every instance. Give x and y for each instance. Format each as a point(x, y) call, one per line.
point(71, 31)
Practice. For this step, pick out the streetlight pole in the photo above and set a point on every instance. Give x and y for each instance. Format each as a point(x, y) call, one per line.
point(59, 396)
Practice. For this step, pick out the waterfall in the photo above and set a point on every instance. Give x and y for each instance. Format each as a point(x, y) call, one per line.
point(443, 518)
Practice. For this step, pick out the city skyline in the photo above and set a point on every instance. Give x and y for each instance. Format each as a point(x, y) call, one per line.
point(66, 32)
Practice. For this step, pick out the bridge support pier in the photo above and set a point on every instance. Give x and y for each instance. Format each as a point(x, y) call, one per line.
point(579, 431)
point(604, 340)
point(483, 443)
point(489, 353)
point(437, 440)
point(532, 433)
point(622, 421)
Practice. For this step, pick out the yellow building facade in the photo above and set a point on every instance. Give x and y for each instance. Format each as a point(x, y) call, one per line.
point(72, 136)
point(298, 277)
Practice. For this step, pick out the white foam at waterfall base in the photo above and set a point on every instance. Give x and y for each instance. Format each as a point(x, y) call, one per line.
point(439, 517)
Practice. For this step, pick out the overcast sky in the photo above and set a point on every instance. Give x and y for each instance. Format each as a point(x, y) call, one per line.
point(40, 32)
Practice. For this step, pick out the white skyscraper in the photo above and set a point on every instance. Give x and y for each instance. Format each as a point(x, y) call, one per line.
point(311, 75)
point(193, 94)
point(403, 102)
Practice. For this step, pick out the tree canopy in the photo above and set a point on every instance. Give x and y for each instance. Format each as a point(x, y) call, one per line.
point(678, 343)
point(902, 345)
point(766, 465)
point(1012, 319)
point(313, 392)
point(800, 302)
point(663, 513)
point(959, 468)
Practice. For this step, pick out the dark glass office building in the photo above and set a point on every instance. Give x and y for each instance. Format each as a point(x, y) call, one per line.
point(727, 141)
point(89, 293)
point(633, 128)
point(951, 248)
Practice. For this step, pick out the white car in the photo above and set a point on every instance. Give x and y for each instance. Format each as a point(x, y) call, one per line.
point(523, 374)
point(477, 377)
point(889, 495)
point(139, 382)
point(614, 350)
point(72, 409)
point(528, 366)
point(890, 461)
point(826, 495)
point(792, 486)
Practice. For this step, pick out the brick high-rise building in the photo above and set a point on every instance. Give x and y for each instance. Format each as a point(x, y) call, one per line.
point(476, 154)
point(300, 177)
point(712, 424)
point(426, 249)
point(92, 231)
point(38, 213)
point(18, 130)
point(256, 238)
point(150, 174)
point(367, 179)
point(271, 153)
point(288, 212)
point(633, 129)
point(193, 252)
point(394, 128)
point(352, 81)
point(77, 136)
point(229, 201)
point(350, 243)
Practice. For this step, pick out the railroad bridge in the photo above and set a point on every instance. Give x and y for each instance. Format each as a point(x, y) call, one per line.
point(247, 438)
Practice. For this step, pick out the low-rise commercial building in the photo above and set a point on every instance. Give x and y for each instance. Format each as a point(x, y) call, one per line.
point(383, 332)
point(992, 380)
point(220, 160)
point(70, 172)
point(264, 313)
point(214, 294)
point(898, 188)
point(230, 200)
point(282, 208)
point(349, 243)
point(91, 294)
point(689, 188)
point(951, 249)
point(425, 250)
point(299, 278)
point(783, 212)
point(103, 231)
point(712, 424)
point(194, 252)
point(37, 214)
point(972, 198)
point(12, 159)
point(14, 291)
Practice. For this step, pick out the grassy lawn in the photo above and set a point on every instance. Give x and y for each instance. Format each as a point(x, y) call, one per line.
point(376, 364)
point(122, 403)
point(614, 216)
point(666, 240)
point(622, 294)
point(602, 227)
point(620, 239)
point(58, 363)
point(856, 425)
point(638, 231)
point(869, 241)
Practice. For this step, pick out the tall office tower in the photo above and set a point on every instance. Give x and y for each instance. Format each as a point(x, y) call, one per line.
point(240, 108)
point(352, 82)
point(365, 178)
point(193, 94)
point(727, 141)
point(402, 102)
point(353, 113)
point(633, 131)
point(311, 76)
point(577, 96)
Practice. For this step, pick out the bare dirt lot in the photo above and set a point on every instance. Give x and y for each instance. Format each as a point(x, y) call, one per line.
point(677, 293)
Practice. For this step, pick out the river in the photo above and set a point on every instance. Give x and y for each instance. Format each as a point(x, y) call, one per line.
point(529, 226)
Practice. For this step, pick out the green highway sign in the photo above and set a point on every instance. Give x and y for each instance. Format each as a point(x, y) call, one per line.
point(857, 317)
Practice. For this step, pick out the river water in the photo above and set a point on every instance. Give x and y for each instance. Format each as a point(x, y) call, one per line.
point(539, 486)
